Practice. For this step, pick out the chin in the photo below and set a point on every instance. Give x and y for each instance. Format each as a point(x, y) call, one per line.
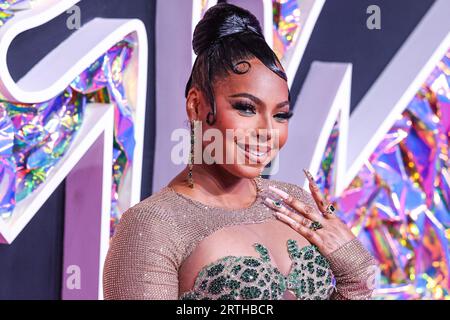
point(244, 170)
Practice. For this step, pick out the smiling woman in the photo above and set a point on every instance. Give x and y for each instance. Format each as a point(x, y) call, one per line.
point(218, 230)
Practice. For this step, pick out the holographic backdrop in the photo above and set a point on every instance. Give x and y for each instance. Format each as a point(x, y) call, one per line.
point(286, 25)
point(399, 203)
point(5, 10)
point(34, 137)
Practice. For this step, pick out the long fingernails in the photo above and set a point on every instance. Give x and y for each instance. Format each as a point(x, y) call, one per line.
point(308, 175)
point(279, 192)
point(273, 203)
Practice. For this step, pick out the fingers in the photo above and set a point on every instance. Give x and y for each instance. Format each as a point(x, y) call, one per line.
point(276, 205)
point(307, 211)
point(310, 235)
point(328, 210)
point(316, 194)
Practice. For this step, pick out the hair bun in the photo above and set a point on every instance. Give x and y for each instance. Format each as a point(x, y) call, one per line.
point(220, 21)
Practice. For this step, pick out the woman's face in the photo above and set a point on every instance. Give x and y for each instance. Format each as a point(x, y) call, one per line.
point(252, 116)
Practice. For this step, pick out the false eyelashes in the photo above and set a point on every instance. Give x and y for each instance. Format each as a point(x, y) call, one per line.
point(285, 115)
point(248, 109)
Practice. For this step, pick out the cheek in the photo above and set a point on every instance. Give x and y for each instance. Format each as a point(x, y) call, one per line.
point(283, 135)
point(228, 119)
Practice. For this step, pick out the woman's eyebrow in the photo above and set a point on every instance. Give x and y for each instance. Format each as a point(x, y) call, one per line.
point(256, 99)
point(282, 104)
point(247, 95)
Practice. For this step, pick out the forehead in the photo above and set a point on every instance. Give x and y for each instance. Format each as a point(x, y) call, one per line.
point(259, 81)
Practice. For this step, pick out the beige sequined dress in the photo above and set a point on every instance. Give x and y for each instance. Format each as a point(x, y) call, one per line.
point(155, 236)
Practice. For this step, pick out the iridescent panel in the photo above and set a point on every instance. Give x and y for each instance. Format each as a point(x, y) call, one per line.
point(286, 24)
point(34, 137)
point(5, 10)
point(399, 203)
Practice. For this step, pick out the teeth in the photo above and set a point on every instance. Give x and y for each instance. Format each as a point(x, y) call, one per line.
point(258, 154)
point(253, 152)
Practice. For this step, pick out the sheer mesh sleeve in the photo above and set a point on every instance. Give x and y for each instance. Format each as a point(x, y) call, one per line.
point(142, 260)
point(355, 270)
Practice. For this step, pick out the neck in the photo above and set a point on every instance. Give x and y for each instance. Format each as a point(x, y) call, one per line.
point(215, 186)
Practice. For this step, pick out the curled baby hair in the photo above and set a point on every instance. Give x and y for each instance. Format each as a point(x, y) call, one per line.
point(224, 40)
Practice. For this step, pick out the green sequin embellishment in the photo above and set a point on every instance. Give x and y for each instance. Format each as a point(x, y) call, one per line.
point(263, 252)
point(250, 292)
point(249, 275)
point(311, 287)
point(321, 261)
point(320, 273)
point(204, 284)
point(309, 255)
point(215, 270)
point(293, 249)
point(251, 262)
point(233, 284)
point(256, 278)
point(217, 285)
point(236, 269)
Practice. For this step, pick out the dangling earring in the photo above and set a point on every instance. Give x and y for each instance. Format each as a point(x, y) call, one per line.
point(191, 156)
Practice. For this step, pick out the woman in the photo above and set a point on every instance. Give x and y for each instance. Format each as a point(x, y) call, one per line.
point(218, 230)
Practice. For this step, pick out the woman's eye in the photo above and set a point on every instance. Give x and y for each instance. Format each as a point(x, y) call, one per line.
point(245, 109)
point(283, 116)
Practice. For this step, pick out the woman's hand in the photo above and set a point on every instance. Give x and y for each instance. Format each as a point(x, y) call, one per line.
point(318, 224)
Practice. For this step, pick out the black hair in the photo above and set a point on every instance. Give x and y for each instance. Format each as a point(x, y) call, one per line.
point(224, 39)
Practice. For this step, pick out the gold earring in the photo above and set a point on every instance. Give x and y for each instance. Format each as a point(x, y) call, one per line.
point(191, 156)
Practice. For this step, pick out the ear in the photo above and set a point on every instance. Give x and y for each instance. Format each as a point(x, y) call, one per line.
point(193, 102)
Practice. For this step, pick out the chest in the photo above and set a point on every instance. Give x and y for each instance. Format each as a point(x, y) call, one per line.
point(238, 241)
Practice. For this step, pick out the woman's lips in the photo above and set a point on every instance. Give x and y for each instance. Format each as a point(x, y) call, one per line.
point(255, 153)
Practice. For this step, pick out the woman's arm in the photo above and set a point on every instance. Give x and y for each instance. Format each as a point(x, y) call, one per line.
point(355, 271)
point(142, 260)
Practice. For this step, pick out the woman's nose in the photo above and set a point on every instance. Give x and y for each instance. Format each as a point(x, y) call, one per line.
point(264, 130)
